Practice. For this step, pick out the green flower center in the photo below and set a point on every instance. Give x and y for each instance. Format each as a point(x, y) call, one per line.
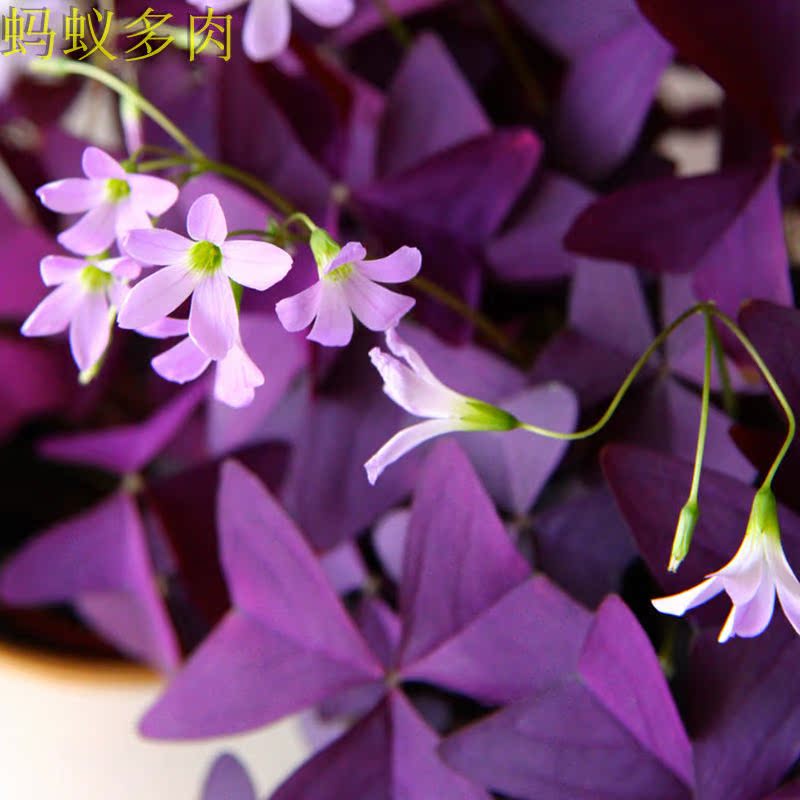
point(95, 279)
point(117, 189)
point(340, 273)
point(205, 257)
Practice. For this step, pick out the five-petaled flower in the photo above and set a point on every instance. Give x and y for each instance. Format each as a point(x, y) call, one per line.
point(409, 382)
point(203, 267)
point(751, 578)
point(115, 202)
point(86, 293)
point(347, 286)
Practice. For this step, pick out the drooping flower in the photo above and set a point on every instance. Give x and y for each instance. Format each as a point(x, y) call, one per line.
point(408, 381)
point(268, 23)
point(202, 266)
point(348, 285)
point(751, 578)
point(237, 375)
point(115, 202)
point(86, 295)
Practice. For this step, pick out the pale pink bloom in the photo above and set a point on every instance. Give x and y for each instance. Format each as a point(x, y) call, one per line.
point(346, 287)
point(115, 202)
point(409, 382)
point(86, 295)
point(203, 267)
point(751, 578)
point(268, 23)
point(237, 375)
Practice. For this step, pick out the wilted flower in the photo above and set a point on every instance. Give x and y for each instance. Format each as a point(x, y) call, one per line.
point(116, 202)
point(86, 291)
point(347, 286)
point(201, 266)
point(750, 578)
point(413, 386)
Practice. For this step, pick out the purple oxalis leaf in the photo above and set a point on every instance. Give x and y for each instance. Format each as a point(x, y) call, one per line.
point(622, 737)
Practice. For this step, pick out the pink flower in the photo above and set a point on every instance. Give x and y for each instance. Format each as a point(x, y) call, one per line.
point(115, 202)
point(237, 375)
point(85, 298)
point(347, 286)
point(268, 23)
point(203, 267)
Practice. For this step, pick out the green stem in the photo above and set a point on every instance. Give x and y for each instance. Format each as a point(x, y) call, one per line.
point(729, 402)
point(250, 232)
point(626, 384)
point(394, 24)
point(65, 66)
point(703, 427)
point(773, 384)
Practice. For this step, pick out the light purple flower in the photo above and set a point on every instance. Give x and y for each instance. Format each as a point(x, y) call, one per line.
point(409, 382)
point(751, 578)
point(115, 202)
point(346, 286)
point(268, 23)
point(86, 294)
point(237, 375)
point(203, 267)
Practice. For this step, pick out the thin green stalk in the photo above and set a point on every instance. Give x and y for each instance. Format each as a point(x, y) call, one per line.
point(626, 384)
point(729, 402)
point(773, 384)
point(703, 427)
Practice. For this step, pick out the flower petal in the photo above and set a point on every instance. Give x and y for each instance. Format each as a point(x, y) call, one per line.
point(334, 324)
point(751, 618)
point(182, 363)
point(97, 163)
point(258, 265)
point(156, 296)
point(266, 29)
point(743, 574)
point(296, 312)
point(213, 319)
point(155, 195)
point(130, 217)
point(93, 232)
point(237, 377)
point(352, 251)
point(679, 604)
point(90, 329)
point(72, 195)
point(786, 584)
point(57, 269)
point(55, 312)
point(165, 328)
point(402, 265)
point(156, 246)
point(377, 307)
point(206, 220)
point(327, 13)
point(405, 440)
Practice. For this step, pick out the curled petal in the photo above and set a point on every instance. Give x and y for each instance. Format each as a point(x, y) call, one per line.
point(257, 265)
point(97, 163)
point(155, 195)
point(377, 307)
point(679, 604)
point(55, 312)
point(326, 13)
point(94, 232)
point(156, 246)
point(90, 329)
point(405, 440)
point(334, 324)
point(156, 296)
point(786, 583)
point(72, 195)
point(266, 29)
point(402, 265)
point(182, 363)
point(351, 252)
point(213, 319)
point(206, 220)
point(57, 269)
point(751, 618)
point(297, 312)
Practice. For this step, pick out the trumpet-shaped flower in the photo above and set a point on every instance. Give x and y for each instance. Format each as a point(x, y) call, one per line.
point(268, 23)
point(751, 578)
point(115, 202)
point(203, 267)
point(86, 293)
point(409, 382)
point(346, 287)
